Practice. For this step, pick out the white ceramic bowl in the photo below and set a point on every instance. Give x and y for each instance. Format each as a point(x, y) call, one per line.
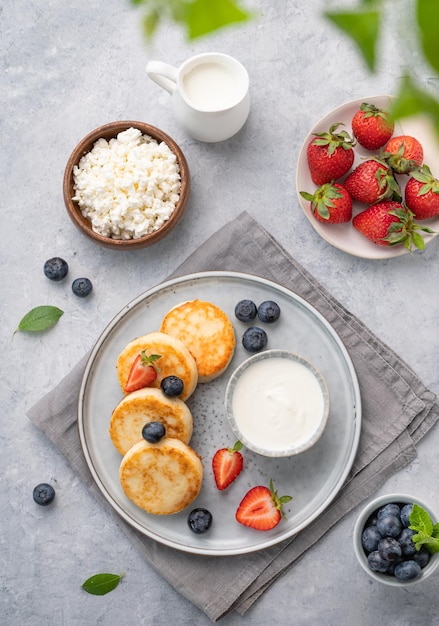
point(360, 553)
point(277, 403)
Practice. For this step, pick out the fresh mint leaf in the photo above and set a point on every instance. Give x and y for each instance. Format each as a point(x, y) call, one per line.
point(100, 584)
point(420, 520)
point(427, 534)
point(40, 318)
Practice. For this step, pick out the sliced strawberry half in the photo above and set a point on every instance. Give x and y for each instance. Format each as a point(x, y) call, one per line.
point(227, 464)
point(143, 372)
point(261, 508)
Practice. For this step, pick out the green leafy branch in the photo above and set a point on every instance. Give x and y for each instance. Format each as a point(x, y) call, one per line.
point(363, 25)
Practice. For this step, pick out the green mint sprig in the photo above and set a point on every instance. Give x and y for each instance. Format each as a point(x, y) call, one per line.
point(427, 533)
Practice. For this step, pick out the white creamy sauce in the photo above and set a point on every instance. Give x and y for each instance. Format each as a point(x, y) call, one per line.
point(277, 403)
point(210, 86)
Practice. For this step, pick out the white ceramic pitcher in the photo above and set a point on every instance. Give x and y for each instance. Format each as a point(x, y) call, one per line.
point(209, 94)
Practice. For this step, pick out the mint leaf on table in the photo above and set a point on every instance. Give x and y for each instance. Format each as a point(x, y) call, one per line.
point(100, 584)
point(427, 533)
point(40, 318)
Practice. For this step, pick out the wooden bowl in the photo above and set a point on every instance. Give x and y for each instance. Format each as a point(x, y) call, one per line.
point(108, 131)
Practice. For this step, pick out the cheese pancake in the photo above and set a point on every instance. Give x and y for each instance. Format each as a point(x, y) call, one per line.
point(175, 360)
point(161, 478)
point(207, 332)
point(149, 405)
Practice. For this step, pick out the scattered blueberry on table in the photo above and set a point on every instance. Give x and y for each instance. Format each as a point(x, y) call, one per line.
point(43, 494)
point(56, 268)
point(82, 287)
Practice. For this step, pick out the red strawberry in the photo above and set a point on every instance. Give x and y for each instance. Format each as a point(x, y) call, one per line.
point(330, 155)
point(261, 508)
point(143, 372)
point(330, 203)
point(390, 223)
point(422, 193)
point(371, 182)
point(403, 154)
point(227, 464)
point(372, 127)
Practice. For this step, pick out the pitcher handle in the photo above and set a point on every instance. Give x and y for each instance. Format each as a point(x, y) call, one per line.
point(163, 74)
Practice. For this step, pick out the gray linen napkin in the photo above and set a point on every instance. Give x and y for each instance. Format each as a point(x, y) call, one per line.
point(390, 390)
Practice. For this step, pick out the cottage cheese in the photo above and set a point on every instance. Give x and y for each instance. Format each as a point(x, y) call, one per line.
point(128, 186)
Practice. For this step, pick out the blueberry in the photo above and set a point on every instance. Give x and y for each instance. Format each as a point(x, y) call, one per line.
point(268, 312)
point(199, 520)
point(370, 538)
point(82, 287)
point(153, 432)
point(389, 549)
point(389, 526)
point(254, 339)
point(172, 386)
point(389, 509)
point(56, 268)
point(405, 540)
point(377, 563)
point(405, 514)
point(43, 494)
point(422, 556)
point(407, 570)
point(372, 521)
point(245, 310)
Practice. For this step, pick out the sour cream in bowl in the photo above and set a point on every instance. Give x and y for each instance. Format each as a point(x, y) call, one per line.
point(277, 403)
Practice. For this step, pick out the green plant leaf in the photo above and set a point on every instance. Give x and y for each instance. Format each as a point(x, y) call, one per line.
point(428, 22)
point(151, 21)
point(100, 584)
point(204, 16)
point(412, 100)
point(363, 27)
point(420, 520)
point(40, 318)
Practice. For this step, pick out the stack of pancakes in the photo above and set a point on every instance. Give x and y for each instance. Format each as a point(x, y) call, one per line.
point(196, 342)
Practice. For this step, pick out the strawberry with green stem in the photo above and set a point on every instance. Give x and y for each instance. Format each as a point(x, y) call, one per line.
point(261, 508)
point(330, 203)
point(227, 464)
point(371, 182)
point(390, 223)
point(372, 127)
point(143, 372)
point(422, 193)
point(330, 155)
point(403, 154)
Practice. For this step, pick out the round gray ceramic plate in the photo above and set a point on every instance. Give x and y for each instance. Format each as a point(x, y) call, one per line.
point(312, 478)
